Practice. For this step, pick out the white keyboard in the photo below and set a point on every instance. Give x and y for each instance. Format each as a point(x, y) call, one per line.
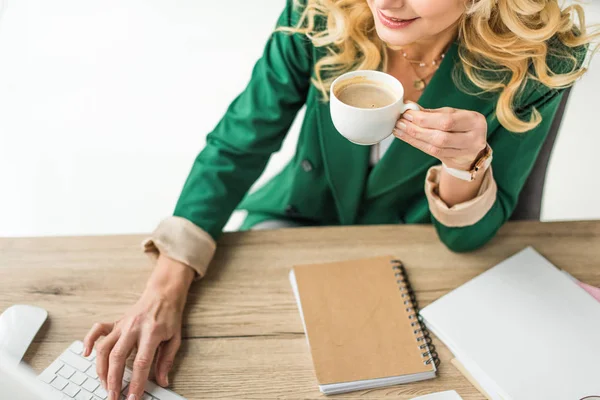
point(72, 376)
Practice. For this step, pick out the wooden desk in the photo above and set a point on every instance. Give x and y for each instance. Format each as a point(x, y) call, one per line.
point(243, 336)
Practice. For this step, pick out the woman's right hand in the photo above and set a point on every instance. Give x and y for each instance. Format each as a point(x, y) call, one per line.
point(152, 326)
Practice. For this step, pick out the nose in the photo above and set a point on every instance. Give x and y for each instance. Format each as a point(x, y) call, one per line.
point(389, 4)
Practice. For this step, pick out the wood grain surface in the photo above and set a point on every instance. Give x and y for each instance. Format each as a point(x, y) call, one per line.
point(243, 337)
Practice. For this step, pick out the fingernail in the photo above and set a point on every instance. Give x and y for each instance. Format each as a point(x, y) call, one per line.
point(111, 395)
point(131, 397)
point(85, 351)
point(103, 383)
point(408, 117)
point(402, 126)
point(167, 379)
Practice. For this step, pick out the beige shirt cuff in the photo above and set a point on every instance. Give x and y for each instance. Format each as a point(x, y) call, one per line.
point(463, 214)
point(181, 240)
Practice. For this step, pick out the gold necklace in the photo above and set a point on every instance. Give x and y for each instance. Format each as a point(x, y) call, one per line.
point(420, 83)
point(422, 64)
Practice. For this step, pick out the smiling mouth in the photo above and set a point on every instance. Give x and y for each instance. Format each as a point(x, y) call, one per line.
point(393, 22)
point(396, 19)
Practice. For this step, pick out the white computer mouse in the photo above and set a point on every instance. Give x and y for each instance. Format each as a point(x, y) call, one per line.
point(18, 326)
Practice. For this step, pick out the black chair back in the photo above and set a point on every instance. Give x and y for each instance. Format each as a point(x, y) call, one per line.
point(529, 206)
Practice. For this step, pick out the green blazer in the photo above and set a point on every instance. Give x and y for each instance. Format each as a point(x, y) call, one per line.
point(328, 181)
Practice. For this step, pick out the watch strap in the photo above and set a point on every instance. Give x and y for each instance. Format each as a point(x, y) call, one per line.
point(481, 164)
point(459, 173)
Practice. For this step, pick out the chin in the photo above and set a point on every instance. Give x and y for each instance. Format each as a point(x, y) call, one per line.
point(395, 39)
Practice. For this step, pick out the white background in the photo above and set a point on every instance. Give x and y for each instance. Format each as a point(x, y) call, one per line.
point(105, 104)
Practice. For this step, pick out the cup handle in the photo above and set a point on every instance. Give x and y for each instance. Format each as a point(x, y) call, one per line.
point(410, 106)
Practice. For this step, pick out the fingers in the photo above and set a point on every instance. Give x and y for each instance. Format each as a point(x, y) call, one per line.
point(446, 119)
point(116, 363)
point(142, 365)
point(165, 358)
point(98, 330)
point(103, 350)
point(432, 150)
point(435, 137)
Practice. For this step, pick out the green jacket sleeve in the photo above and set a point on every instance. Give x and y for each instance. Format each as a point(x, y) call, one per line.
point(254, 126)
point(514, 157)
point(515, 154)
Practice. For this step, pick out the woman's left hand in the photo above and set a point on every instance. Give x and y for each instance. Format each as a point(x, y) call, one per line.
point(455, 137)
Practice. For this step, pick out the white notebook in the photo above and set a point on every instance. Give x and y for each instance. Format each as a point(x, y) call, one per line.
point(448, 395)
point(523, 330)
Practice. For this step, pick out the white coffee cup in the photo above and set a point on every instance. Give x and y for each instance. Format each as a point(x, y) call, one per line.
point(368, 126)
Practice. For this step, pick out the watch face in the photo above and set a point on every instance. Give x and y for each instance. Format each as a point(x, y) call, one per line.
point(488, 162)
point(485, 161)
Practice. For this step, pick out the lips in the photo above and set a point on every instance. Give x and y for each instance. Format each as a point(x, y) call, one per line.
point(396, 19)
point(394, 22)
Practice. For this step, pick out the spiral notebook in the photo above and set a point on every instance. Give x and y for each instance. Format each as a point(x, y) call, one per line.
point(522, 330)
point(361, 324)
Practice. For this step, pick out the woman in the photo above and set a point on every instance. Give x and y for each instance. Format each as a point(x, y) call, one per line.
point(489, 74)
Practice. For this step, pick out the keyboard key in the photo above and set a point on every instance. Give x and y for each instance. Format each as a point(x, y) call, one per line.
point(47, 377)
point(91, 372)
point(146, 396)
point(71, 389)
point(49, 373)
point(92, 355)
point(100, 392)
point(76, 347)
point(84, 395)
point(66, 372)
point(78, 378)
point(59, 383)
point(127, 375)
point(75, 361)
point(91, 384)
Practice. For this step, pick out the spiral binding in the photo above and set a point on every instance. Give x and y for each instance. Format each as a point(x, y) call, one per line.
point(412, 308)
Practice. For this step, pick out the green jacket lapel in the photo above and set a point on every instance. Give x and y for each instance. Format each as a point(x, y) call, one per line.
point(346, 166)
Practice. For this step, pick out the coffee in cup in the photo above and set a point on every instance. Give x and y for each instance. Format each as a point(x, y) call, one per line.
point(363, 93)
point(365, 105)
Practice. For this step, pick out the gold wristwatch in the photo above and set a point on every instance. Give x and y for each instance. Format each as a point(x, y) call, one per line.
point(479, 166)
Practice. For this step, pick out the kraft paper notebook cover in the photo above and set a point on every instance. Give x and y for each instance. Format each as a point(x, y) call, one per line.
point(523, 330)
point(361, 326)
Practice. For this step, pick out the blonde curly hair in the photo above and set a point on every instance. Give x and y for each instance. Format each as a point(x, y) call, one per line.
point(514, 37)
